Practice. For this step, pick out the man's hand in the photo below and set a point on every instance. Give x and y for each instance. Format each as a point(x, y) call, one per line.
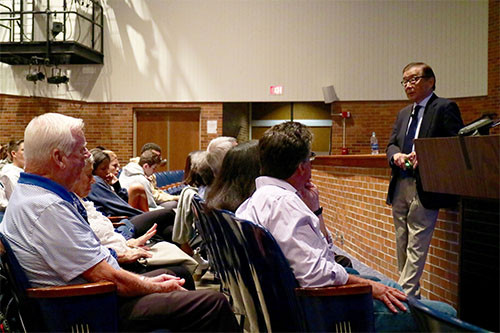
point(412, 157)
point(163, 278)
point(165, 283)
point(390, 296)
point(172, 285)
point(400, 159)
point(310, 195)
point(168, 283)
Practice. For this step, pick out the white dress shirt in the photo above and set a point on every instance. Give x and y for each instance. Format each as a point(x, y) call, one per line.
point(276, 206)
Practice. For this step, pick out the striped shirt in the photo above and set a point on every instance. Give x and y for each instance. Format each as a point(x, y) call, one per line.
point(53, 243)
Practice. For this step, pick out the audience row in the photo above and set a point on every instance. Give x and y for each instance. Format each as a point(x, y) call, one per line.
point(266, 181)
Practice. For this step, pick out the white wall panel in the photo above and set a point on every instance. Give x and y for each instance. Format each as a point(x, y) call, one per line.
point(234, 50)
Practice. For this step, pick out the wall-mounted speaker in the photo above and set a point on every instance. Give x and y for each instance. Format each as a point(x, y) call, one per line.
point(329, 95)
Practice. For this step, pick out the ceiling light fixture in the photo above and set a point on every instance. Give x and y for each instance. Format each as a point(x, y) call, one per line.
point(57, 77)
point(35, 75)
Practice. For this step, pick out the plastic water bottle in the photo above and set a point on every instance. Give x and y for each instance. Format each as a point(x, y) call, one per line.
point(374, 144)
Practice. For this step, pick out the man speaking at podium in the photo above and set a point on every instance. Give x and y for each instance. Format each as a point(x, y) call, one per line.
point(415, 211)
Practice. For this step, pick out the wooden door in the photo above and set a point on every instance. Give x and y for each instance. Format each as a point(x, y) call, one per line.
point(177, 133)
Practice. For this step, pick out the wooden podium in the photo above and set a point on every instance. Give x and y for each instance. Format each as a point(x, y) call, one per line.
point(469, 167)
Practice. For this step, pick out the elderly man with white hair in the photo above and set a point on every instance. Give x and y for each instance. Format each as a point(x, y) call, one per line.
point(47, 229)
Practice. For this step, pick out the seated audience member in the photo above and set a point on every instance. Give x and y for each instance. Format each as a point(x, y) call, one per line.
point(162, 198)
point(127, 251)
point(139, 173)
point(236, 179)
point(236, 182)
point(3, 201)
point(109, 203)
point(199, 175)
point(4, 157)
point(217, 149)
point(3, 198)
point(135, 195)
point(56, 246)
point(286, 202)
point(113, 172)
point(10, 172)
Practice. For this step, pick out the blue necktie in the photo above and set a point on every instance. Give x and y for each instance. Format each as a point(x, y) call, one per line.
point(410, 135)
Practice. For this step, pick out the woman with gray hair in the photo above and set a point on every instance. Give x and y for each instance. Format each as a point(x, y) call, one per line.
point(128, 252)
point(217, 149)
point(198, 175)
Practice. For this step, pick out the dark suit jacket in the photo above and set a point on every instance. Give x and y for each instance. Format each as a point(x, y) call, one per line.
point(441, 119)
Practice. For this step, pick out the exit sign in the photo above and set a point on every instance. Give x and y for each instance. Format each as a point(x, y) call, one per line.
point(276, 90)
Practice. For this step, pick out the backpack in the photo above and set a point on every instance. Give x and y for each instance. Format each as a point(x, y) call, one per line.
point(10, 316)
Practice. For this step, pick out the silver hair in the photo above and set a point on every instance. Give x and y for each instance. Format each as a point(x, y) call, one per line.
point(198, 159)
point(48, 131)
point(217, 149)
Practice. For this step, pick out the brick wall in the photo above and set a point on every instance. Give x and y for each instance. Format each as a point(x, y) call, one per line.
point(107, 124)
point(354, 198)
point(354, 205)
point(379, 116)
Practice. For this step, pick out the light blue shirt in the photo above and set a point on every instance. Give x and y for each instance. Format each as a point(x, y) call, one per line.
point(276, 206)
point(50, 239)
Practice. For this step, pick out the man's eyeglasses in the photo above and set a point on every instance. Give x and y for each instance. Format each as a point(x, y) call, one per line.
point(412, 80)
point(312, 156)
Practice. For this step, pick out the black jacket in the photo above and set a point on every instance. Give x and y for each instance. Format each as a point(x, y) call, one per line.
point(441, 119)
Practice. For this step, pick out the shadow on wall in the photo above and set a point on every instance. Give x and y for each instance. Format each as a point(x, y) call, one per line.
point(130, 25)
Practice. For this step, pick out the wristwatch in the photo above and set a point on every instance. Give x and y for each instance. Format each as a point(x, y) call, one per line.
point(318, 211)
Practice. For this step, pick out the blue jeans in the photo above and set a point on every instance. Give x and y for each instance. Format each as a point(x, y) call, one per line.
point(387, 321)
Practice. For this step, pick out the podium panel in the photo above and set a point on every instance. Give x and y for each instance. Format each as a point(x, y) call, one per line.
point(469, 167)
point(466, 166)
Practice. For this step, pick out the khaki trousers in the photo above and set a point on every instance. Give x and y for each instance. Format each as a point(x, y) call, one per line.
point(414, 225)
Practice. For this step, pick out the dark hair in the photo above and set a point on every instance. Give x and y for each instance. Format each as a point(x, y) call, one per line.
point(150, 158)
point(426, 70)
point(188, 172)
point(3, 151)
point(236, 180)
point(150, 146)
point(99, 157)
point(283, 147)
point(197, 171)
point(13, 145)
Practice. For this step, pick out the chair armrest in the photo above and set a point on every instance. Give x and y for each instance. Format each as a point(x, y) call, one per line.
point(72, 290)
point(117, 224)
point(117, 218)
point(352, 304)
point(348, 289)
